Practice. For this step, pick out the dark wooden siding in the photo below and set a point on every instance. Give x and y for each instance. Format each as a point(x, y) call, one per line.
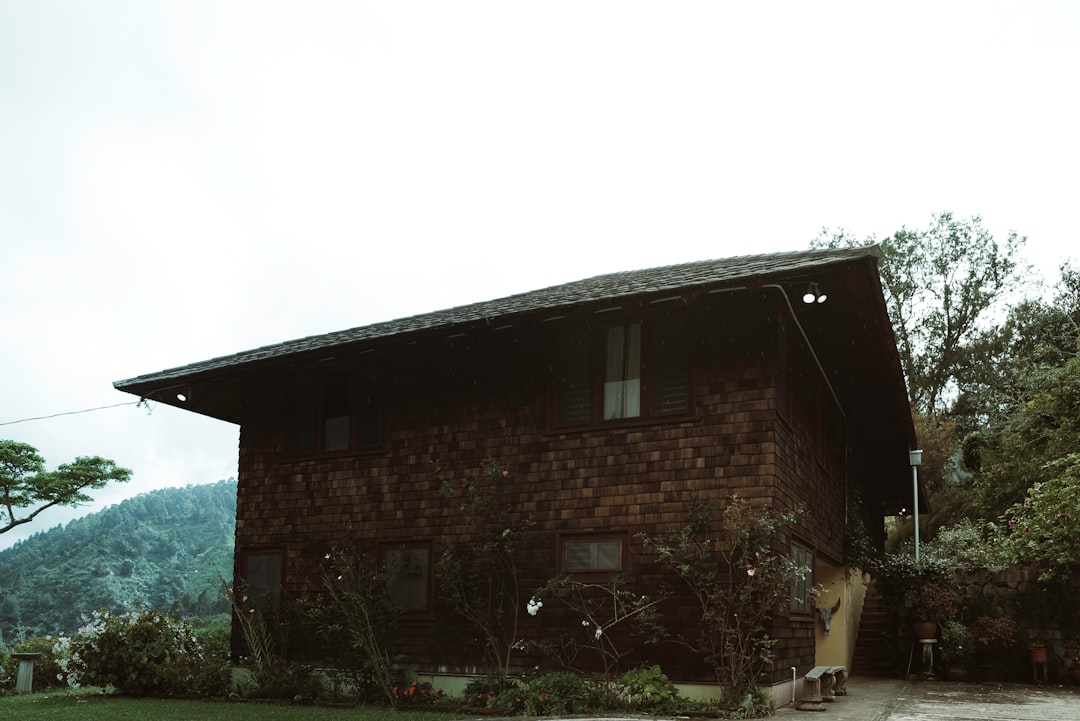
point(452, 403)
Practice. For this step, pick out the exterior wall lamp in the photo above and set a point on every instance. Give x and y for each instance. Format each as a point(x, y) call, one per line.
point(814, 295)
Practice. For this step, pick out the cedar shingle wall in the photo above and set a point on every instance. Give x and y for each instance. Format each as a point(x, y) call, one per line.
point(451, 408)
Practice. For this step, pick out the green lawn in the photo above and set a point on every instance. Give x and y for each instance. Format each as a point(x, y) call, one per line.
point(68, 706)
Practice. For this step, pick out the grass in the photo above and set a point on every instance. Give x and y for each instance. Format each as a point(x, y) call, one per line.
point(92, 706)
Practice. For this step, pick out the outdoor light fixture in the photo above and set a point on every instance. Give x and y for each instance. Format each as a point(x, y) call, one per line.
point(915, 459)
point(814, 295)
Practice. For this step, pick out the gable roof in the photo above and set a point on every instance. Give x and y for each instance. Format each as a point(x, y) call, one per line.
point(685, 277)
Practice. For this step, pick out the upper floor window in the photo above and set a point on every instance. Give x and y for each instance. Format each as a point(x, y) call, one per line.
point(340, 410)
point(629, 369)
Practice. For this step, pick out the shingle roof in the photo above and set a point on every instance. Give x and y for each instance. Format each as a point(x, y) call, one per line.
point(609, 287)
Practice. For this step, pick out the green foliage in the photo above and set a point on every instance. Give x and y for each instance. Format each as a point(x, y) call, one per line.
point(942, 286)
point(356, 617)
point(139, 652)
point(933, 603)
point(47, 671)
point(967, 546)
point(955, 642)
point(561, 692)
point(993, 631)
point(479, 576)
point(259, 640)
point(647, 688)
point(740, 583)
point(603, 608)
point(25, 484)
point(166, 549)
point(1044, 529)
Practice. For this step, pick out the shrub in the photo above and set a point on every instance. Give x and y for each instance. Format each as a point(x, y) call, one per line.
point(47, 671)
point(933, 603)
point(478, 576)
point(647, 688)
point(994, 631)
point(139, 652)
point(357, 616)
point(740, 583)
point(561, 692)
point(956, 643)
point(418, 694)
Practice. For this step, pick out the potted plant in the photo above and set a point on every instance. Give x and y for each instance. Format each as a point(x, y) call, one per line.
point(955, 648)
point(1072, 657)
point(992, 634)
point(931, 605)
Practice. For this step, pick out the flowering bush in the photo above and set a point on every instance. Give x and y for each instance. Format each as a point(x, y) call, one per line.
point(478, 576)
point(356, 615)
point(1044, 528)
point(418, 694)
point(740, 582)
point(993, 631)
point(46, 670)
point(956, 644)
point(139, 652)
point(933, 603)
point(609, 613)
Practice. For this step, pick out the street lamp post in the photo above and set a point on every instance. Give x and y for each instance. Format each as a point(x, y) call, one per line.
point(915, 458)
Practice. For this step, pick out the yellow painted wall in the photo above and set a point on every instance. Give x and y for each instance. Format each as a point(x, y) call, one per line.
point(833, 582)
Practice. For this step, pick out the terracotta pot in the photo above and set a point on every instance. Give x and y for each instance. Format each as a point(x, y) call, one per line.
point(924, 629)
point(1038, 654)
point(956, 673)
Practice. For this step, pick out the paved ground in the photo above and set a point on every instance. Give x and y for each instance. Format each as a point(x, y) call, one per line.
point(877, 699)
point(881, 699)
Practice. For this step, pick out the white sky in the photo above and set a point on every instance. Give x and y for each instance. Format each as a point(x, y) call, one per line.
point(185, 180)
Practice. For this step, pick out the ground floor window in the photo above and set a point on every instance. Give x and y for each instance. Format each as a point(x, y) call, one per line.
point(802, 589)
point(594, 553)
point(408, 572)
point(261, 571)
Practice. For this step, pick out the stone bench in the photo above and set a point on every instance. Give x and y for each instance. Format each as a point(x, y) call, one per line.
point(822, 684)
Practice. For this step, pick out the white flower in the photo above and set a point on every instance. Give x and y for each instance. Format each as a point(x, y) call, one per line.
point(599, 632)
point(534, 606)
point(585, 623)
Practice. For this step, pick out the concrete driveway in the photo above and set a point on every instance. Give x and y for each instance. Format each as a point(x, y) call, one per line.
point(877, 699)
point(883, 699)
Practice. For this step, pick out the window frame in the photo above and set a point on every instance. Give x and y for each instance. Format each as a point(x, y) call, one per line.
point(308, 411)
point(565, 540)
point(581, 364)
point(802, 554)
point(386, 548)
point(274, 592)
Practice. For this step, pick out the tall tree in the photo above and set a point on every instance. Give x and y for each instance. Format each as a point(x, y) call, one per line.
point(27, 489)
point(942, 286)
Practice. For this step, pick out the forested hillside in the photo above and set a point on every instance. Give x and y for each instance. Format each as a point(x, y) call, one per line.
point(168, 549)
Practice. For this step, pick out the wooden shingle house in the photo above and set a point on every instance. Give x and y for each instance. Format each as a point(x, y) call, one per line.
point(614, 400)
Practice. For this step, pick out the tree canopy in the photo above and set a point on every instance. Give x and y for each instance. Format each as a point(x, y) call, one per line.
point(942, 286)
point(27, 489)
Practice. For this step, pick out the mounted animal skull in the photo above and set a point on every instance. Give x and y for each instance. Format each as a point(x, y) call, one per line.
point(827, 614)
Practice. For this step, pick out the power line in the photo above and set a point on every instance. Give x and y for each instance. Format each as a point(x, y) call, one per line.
point(73, 413)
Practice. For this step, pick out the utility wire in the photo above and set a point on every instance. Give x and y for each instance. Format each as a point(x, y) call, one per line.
point(72, 413)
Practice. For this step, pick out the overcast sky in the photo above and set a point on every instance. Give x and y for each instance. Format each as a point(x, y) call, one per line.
point(185, 180)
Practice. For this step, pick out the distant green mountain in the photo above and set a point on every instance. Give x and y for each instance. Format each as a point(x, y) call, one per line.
point(167, 549)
